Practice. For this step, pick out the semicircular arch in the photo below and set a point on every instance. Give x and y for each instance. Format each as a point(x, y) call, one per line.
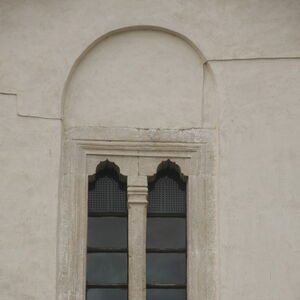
point(132, 73)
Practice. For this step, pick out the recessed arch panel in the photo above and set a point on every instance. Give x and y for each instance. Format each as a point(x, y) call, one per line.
point(141, 78)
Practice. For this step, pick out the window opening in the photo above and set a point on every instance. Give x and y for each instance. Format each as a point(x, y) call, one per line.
point(107, 246)
point(166, 234)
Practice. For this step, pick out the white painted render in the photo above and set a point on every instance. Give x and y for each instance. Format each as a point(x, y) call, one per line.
point(223, 72)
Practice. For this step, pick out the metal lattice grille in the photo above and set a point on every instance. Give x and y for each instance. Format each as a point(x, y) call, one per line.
point(107, 194)
point(167, 194)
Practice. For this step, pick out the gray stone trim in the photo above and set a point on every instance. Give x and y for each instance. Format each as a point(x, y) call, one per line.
point(137, 160)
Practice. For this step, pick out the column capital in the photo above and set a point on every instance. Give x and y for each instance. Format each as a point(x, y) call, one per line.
point(137, 181)
point(137, 186)
point(137, 189)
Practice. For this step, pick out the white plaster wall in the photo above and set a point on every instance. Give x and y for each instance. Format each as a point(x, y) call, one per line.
point(29, 176)
point(259, 171)
point(254, 105)
point(41, 39)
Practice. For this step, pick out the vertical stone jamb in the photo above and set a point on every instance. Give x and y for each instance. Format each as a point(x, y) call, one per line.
point(137, 188)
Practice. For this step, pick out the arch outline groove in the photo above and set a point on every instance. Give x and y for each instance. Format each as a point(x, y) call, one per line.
point(113, 32)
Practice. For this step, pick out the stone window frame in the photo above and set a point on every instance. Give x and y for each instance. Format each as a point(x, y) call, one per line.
point(138, 159)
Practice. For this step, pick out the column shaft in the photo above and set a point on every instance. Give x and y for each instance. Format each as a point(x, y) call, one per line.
point(137, 217)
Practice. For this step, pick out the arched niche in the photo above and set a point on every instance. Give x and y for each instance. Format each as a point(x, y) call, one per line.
point(138, 78)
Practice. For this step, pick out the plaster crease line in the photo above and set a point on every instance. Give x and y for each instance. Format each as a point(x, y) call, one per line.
point(202, 100)
point(26, 116)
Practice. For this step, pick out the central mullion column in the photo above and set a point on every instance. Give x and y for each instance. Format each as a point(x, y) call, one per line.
point(137, 188)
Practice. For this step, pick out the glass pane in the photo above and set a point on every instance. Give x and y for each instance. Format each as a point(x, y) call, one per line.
point(107, 294)
point(166, 268)
point(106, 268)
point(107, 232)
point(166, 233)
point(166, 294)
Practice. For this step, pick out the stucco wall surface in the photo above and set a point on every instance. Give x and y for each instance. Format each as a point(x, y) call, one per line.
point(40, 40)
point(251, 103)
point(259, 171)
point(29, 159)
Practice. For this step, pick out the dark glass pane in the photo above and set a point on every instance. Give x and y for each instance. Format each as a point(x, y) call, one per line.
point(166, 294)
point(166, 233)
point(106, 268)
point(166, 268)
point(107, 193)
point(167, 194)
point(107, 294)
point(107, 232)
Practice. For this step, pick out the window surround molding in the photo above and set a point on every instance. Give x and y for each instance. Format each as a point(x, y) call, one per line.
point(138, 154)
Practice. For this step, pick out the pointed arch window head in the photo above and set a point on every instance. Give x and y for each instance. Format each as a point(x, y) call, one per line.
point(107, 240)
point(166, 234)
point(107, 191)
point(167, 190)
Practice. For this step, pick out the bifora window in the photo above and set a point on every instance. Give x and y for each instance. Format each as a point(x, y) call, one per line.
point(166, 234)
point(107, 242)
point(107, 249)
point(138, 161)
